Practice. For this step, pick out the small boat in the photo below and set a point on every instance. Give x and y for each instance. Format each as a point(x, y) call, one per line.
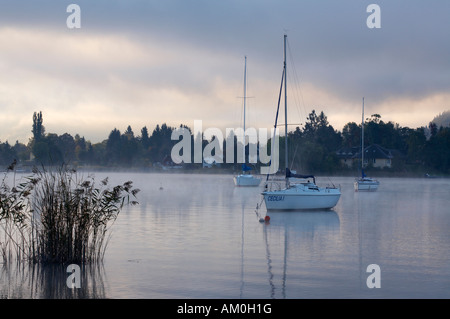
point(299, 192)
point(246, 179)
point(364, 183)
point(301, 195)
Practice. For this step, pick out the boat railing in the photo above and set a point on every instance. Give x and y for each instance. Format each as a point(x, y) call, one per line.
point(275, 184)
point(333, 186)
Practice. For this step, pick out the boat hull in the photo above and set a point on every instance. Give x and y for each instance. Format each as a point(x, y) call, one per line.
point(246, 180)
point(288, 199)
point(366, 185)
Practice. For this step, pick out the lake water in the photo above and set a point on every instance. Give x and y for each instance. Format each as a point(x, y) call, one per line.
point(200, 237)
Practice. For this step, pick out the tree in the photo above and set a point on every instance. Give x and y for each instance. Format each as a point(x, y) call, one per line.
point(128, 147)
point(433, 128)
point(313, 123)
point(54, 154)
point(318, 130)
point(376, 118)
point(80, 148)
point(38, 129)
point(161, 142)
point(41, 152)
point(351, 135)
point(313, 148)
point(144, 137)
point(21, 151)
point(66, 145)
point(113, 147)
point(415, 143)
point(437, 150)
point(388, 135)
point(129, 133)
point(7, 154)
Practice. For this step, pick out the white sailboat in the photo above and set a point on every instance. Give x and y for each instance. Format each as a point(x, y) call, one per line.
point(299, 192)
point(246, 179)
point(364, 183)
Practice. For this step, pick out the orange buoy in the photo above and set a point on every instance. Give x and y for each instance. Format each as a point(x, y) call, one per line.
point(267, 218)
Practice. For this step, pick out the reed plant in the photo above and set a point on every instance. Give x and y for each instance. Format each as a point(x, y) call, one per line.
point(56, 216)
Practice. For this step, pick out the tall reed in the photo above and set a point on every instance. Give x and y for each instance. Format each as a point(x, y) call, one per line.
point(55, 216)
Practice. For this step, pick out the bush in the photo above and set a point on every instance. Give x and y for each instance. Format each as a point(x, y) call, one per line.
point(57, 217)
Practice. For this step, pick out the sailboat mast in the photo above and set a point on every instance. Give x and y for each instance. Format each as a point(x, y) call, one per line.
point(362, 140)
point(245, 99)
point(285, 109)
point(245, 88)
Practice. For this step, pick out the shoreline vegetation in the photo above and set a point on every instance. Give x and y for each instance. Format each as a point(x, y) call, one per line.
point(318, 149)
point(53, 216)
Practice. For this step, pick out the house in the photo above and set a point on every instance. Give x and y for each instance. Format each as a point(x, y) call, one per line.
point(378, 156)
point(374, 155)
point(346, 155)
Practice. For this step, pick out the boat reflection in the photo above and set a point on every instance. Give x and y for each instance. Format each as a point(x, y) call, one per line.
point(305, 221)
point(299, 231)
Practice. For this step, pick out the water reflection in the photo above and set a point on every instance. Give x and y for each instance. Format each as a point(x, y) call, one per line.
point(28, 281)
point(306, 222)
point(291, 233)
point(285, 237)
point(199, 237)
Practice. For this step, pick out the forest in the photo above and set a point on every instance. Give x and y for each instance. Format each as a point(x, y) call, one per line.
point(314, 148)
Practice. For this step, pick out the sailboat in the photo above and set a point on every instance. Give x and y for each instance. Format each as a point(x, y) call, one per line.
point(364, 183)
point(246, 179)
point(300, 192)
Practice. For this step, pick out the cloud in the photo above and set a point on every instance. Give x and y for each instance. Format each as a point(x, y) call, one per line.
point(88, 80)
point(143, 63)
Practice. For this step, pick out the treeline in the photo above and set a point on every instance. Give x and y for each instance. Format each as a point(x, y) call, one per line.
point(312, 148)
point(118, 150)
point(424, 149)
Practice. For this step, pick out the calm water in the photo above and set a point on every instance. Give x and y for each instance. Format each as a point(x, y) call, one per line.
point(199, 237)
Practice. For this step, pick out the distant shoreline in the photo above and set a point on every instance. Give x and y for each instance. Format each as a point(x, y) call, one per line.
point(27, 169)
point(226, 171)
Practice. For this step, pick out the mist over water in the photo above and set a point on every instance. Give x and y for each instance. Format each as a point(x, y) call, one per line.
point(198, 236)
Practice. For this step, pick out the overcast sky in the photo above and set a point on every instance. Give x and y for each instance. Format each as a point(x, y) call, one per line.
point(142, 63)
